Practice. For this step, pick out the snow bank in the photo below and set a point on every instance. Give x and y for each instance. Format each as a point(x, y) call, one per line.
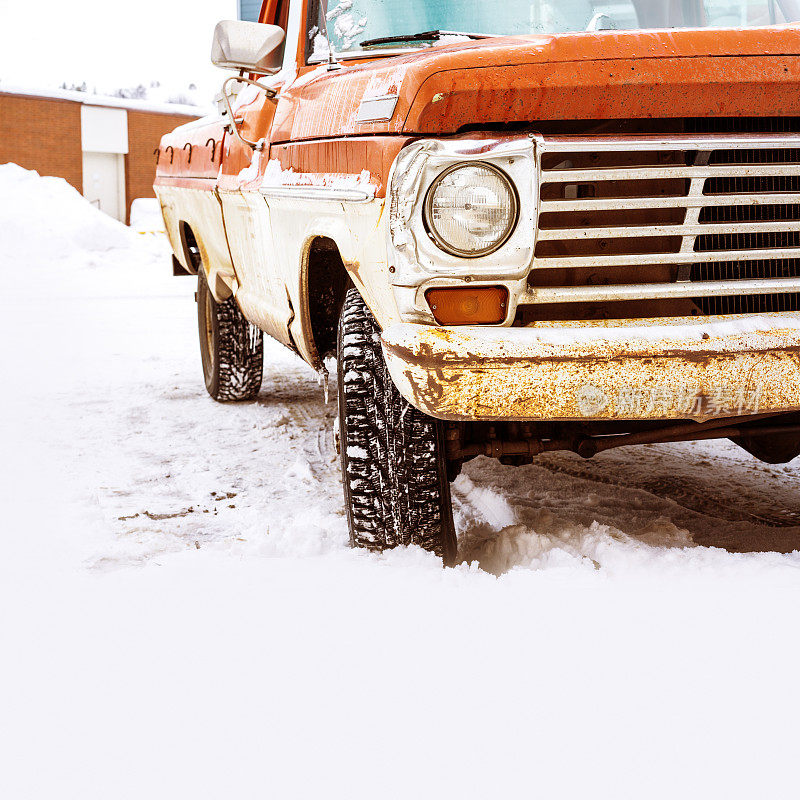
point(146, 216)
point(44, 218)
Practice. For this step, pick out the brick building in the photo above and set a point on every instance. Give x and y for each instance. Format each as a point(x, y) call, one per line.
point(102, 145)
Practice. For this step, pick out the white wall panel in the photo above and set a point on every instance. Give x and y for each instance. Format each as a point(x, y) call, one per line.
point(104, 130)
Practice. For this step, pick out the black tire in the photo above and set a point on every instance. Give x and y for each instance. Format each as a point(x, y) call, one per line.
point(394, 469)
point(231, 349)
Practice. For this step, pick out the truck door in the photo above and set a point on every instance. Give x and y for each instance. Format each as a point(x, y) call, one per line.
point(261, 292)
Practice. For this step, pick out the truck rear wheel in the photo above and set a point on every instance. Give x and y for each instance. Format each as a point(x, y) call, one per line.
point(394, 468)
point(231, 349)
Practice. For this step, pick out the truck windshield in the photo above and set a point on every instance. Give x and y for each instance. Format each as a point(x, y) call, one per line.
point(351, 22)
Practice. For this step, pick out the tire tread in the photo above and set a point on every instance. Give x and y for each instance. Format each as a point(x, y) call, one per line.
point(394, 474)
point(239, 362)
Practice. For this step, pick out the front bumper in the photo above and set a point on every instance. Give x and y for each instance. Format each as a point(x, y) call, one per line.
point(694, 368)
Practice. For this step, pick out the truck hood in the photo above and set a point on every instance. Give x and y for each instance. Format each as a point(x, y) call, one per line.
point(527, 79)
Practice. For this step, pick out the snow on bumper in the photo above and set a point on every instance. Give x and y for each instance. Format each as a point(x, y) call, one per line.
point(695, 370)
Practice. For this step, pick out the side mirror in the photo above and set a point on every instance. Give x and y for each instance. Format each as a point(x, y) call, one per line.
point(248, 46)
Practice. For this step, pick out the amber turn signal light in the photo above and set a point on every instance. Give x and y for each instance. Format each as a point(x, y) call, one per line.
point(483, 305)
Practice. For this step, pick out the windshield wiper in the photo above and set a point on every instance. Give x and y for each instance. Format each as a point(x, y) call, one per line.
point(425, 36)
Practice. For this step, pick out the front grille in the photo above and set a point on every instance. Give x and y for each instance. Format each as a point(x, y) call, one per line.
point(702, 223)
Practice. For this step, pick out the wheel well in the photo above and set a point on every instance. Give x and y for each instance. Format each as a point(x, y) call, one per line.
point(327, 282)
point(191, 251)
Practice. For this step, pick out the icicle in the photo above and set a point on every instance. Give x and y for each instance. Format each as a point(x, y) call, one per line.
point(322, 379)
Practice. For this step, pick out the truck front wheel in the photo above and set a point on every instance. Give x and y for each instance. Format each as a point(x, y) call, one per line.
point(231, 349)
point(394, 468)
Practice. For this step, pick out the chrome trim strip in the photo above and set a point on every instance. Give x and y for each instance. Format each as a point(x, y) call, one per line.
point(377, 109)
point(318, 193)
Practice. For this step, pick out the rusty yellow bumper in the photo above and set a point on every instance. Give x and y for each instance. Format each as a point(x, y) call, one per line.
point(684, 369)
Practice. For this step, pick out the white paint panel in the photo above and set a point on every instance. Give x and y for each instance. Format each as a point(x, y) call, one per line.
point(104, 130)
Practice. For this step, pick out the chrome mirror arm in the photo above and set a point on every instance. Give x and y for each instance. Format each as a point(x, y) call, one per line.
point(231, 123)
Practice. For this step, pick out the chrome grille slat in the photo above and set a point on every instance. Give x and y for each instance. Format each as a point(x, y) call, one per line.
point(650, 173)
point(609, 144)
point(712, 219)
point(558, 234)
point(654, 291)
point(701, 201)
point(706, 256)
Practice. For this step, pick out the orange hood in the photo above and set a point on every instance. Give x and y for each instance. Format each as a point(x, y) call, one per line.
point(609, 75)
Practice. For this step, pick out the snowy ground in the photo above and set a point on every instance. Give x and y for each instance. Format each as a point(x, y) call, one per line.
point(181, 617)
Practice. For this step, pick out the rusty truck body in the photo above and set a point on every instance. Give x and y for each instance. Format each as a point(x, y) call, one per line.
point(519, 227)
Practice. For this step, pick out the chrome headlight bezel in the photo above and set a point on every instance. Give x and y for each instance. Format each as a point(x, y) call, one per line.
point(436, 235)
point(415, 261)
point(414, 253)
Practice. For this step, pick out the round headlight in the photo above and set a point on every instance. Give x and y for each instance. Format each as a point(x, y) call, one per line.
point(471, 209)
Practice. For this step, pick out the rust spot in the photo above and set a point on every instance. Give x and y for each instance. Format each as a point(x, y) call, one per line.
point(354, 269)
point(428, 393)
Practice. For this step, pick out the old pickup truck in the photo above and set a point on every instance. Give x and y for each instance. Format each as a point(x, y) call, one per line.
point(519, 227)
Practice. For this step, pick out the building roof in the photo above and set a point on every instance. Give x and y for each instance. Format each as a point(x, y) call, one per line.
point(109, 102)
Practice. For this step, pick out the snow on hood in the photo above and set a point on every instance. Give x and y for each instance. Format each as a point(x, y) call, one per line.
point(44, 219)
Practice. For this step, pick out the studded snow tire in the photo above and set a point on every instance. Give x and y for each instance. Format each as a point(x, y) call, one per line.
point(393, 465)
point(232, 350)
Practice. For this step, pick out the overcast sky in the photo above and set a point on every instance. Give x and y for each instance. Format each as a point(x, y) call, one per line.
point(110, 43)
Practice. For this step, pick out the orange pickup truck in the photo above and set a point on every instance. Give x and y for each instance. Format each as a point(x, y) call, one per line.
point(519, 227)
